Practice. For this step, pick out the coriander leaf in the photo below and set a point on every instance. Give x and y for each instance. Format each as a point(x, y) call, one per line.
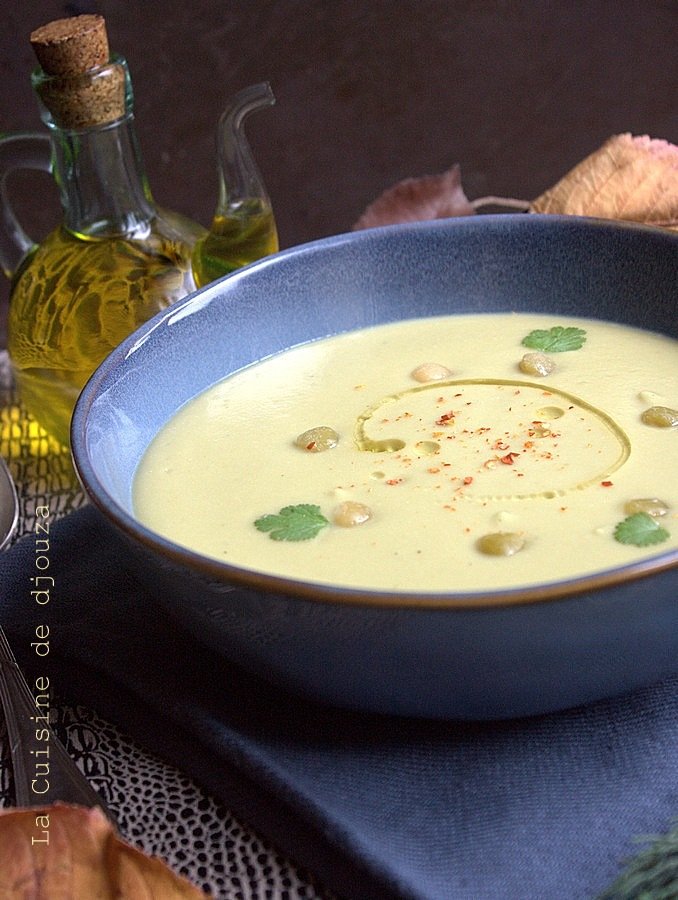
point(293, 523)
point(556, 339)
point(641, 530)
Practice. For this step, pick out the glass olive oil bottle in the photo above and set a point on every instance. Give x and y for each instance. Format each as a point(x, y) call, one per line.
point(243, 228)
point(117, 258)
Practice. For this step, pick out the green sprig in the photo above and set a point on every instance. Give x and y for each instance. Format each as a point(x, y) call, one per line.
point(293, 523)
point(641, 530)
point(556, 339)
point(652, 874)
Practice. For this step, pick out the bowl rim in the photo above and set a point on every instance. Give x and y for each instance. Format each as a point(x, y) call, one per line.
point(229, 576)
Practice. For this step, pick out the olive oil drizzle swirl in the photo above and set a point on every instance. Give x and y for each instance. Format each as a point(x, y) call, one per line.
point(364, 442)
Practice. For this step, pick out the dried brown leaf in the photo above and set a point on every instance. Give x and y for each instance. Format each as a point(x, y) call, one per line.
point(629, 178)
point(632, 178)
point(417, 199)
point(70, 851)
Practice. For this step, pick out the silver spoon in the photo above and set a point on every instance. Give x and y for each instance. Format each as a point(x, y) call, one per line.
point(39, 780)
point(9, 505)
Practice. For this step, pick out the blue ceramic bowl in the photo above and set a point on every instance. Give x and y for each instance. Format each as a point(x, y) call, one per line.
point(473, 656)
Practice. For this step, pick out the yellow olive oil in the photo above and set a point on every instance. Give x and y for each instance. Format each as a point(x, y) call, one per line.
point(73, 300)
point(235, 240)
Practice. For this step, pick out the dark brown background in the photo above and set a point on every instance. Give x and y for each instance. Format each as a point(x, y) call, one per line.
point(368, 92)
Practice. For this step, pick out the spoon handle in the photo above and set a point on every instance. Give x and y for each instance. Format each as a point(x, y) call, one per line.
point(43, 770)
point(9, 505)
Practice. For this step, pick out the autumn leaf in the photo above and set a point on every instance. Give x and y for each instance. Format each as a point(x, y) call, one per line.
point(630, 178)
point(70, 851)
point(418, 199)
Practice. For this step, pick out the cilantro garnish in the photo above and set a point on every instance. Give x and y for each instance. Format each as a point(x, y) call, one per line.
point(641, 530)
point(556, 339)
point(293, 523)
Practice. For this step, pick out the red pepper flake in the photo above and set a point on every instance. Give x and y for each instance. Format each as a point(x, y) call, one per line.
point(606, 483)
point(311, 446)
point(509, 459)
point(528, 444)
point(468, 479)
point(446, 418)
point(394, 481)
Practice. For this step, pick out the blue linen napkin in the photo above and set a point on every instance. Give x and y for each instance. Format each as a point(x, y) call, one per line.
point(544, 808)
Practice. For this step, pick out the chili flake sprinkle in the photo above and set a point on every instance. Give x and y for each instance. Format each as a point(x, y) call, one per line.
point(509, 459)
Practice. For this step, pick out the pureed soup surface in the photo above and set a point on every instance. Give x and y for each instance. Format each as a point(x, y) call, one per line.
point(444, 460)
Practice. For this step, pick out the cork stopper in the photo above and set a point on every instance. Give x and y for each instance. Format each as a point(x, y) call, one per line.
point(81, 88)
point(71, 46)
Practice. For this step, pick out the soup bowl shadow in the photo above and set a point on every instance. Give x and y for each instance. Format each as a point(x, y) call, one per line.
point(473, 655)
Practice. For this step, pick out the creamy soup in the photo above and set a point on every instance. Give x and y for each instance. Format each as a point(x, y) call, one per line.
point(458, 453)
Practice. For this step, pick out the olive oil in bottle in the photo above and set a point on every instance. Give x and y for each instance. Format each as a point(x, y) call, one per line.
point(117, 259)
point(73, 301)
point(233, 241)
point(243, 227)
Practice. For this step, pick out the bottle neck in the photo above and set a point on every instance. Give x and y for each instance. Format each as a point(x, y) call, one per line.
point(99, 171)
point(96, 159)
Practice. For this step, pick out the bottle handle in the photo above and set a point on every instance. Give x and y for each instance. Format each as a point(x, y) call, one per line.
point(18, 151)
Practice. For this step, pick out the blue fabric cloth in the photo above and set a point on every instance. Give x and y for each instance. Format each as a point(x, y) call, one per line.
point(377, 807)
